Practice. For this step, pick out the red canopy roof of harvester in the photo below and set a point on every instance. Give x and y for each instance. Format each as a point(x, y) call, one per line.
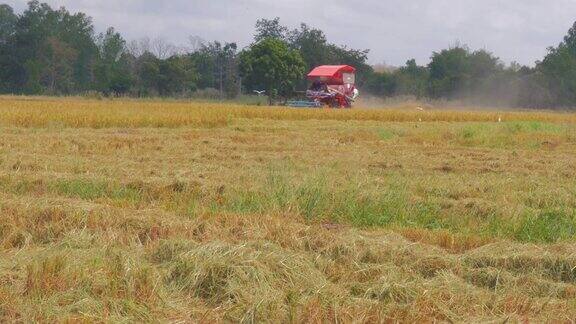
point(332, 72)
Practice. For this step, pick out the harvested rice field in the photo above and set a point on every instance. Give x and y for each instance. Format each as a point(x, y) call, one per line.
point(158, 211)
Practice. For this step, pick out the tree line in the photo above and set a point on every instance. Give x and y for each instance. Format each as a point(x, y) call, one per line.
point(478, 77)
point(54, 52)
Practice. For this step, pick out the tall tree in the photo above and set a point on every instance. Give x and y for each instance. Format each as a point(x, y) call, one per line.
point(148, 69)
point(382, 84)
point(271, 65)
point(77, 31)
point(57, 72)
point(40, 33)
point(112, 69)
point(312, 45)
point(448, 70)
point(314, 48)
point(559, 70)
point(412, 79)
point(270, 28)
point(353, 57)
point(176, 76)
point(8, 22)
point(217, 65)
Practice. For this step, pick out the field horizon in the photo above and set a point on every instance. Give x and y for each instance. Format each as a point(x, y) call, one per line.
point(161, 211)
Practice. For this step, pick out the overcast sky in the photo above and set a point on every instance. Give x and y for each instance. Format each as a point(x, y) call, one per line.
point(394, 30)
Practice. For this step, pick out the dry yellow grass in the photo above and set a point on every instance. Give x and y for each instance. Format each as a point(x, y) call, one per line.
point(170, 211)
point(34, 112)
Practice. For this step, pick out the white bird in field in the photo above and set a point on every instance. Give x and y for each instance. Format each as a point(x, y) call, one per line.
point(261, 92)
point(499, 119)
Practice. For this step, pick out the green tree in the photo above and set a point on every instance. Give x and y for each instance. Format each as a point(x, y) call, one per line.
point(271, 65)
point(8, 22)
point(176, 76)
point(270, 28)
point(29, 42)
point(173, 76)
point(77, 30)
point(558, 70)
point(383, 84)
point(112, 70)
point(42, 33)
point(483, 69)
point(148, 69)
point(312, 45)
point(459, 73)
point(314, 48)
point(448, 70)
point(412, 79)
point(217, 66)
point(57, 73)
point(205, 64)
point(356, 58)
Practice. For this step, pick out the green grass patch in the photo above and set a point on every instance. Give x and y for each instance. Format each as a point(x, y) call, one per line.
point(93, 189)
point(532, 126)
point(507, 135)
point(547, 226)
point(316, 198)
point(362, 203)
point(386, 134)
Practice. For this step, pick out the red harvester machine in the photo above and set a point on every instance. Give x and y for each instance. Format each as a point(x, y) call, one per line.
point(331, 86)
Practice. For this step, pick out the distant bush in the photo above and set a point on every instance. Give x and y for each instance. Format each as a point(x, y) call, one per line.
point(94, 95)
point(208, 93)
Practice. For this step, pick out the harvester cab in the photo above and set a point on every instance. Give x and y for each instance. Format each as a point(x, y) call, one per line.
point(332, 86)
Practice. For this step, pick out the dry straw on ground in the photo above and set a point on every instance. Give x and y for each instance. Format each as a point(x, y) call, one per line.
point(172, 211)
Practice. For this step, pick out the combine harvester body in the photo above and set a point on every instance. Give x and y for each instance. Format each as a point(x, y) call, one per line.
point(331, 86)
